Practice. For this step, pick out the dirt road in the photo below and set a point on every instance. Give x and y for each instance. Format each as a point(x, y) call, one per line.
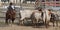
point(15, 27)
point(3, 26)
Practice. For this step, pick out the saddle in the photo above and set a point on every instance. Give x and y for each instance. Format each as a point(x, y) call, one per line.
point(11, 12)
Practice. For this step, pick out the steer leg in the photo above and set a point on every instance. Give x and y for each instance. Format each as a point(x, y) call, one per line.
point(35, 22)
point(47, 24)
point(21, 21)
point(57, 23)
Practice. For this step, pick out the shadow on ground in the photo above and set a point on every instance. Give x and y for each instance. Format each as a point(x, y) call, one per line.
point(2, 24)
point(40, 25)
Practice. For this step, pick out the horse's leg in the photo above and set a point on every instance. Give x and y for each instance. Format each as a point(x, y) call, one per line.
point(53, 24)
point(13, 20)
point(9, 21)
point(6, 21)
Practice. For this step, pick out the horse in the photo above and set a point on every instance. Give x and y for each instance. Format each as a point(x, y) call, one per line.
point(10, 16)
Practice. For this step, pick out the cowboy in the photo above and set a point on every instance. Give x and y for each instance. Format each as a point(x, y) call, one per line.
point(11, 7)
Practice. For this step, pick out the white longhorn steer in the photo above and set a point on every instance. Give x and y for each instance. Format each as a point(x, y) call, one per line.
point(27, 14)
point(38, 16)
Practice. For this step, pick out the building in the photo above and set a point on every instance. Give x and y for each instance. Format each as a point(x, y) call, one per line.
point(52, 4)
point(6, 1)
point(16, 1)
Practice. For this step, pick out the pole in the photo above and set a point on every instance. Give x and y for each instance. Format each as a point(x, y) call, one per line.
point(20, 13)
point(36, 4)
point(45, 4)
point(20, 8)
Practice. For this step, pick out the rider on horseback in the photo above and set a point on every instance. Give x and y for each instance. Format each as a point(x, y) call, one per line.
point(11, 13)
point(11, 7)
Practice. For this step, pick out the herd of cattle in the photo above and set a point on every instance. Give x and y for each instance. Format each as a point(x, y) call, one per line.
point(37, 16)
